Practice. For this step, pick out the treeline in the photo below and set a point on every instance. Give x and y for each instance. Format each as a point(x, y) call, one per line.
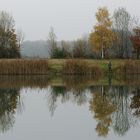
point(79, 48)
point(116, 36)
point(113, 36)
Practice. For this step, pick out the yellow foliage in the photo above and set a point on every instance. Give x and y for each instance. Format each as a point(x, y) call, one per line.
point(102, 17)
point(102, 107)
point(103, 36)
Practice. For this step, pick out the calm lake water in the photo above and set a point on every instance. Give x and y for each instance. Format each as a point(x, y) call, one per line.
point(39, 108)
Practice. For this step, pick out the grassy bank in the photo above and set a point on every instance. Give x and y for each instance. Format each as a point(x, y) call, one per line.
point(119, 66)
point(67, 67)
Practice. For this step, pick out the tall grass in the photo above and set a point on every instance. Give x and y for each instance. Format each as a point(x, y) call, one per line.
point(80, 67)
point(23, 67)
point(128, 68)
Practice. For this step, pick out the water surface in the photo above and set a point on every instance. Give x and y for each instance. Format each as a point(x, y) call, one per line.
point(34, 108)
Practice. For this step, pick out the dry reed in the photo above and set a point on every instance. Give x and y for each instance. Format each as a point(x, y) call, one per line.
point(23, 67)
point(80, 67)
point(129, 68)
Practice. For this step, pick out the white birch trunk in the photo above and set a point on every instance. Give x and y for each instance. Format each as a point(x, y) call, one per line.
point(102, 52)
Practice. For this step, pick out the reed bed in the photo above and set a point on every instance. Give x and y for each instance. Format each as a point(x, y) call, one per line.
point(23, 67)
point(129, 68)
point(80, 67)
point(33, 81)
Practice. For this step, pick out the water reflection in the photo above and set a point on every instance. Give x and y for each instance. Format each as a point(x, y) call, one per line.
point(102, 107)
point(135, 102)
point(9, 103)
point(114, 106)
point(62, 94)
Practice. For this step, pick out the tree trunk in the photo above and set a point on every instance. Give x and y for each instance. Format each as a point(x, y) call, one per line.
point(102, 52)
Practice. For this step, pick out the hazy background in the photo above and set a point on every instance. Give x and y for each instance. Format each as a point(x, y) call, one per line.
point(70, 18)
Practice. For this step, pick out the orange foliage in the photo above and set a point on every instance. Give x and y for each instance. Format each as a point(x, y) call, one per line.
point(135, 39)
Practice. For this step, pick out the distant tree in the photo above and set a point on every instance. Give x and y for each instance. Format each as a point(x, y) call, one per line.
point(65, 49)
point(135, 39)
point(52, 43)
point(20, 37)
point(87, 47)
point(79, 50)
point(8, 39)
point(102, 37)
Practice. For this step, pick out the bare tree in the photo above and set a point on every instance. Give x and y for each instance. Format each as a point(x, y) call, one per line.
point(52, 43)
point(6, 21)
point(20, 37)
point(122, 24)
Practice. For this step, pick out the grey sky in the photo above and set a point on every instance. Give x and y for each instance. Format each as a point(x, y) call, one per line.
point(70, 18)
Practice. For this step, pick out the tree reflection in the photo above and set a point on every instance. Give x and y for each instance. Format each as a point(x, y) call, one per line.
point(62, 94)
point(123, 118)
point(102, 107)
point(77, 84)
point(56, 91)
point(114, 107)
point(135, 102)
point(9, 99)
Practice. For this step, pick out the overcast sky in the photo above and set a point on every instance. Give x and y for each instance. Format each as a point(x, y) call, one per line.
point(70, 18)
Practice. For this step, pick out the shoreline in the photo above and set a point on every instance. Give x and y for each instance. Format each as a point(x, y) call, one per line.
point(56, 66)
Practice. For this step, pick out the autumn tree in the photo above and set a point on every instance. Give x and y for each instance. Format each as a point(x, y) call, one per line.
point(102, 37)
point(8, 39)
point(135, 39)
